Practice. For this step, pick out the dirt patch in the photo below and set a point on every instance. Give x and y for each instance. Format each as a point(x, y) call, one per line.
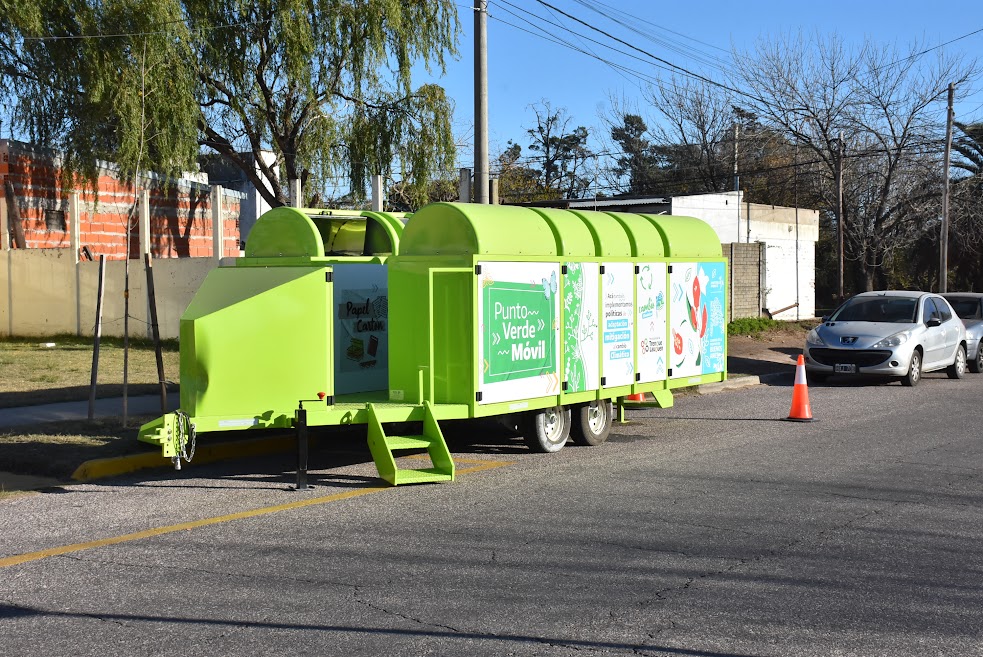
point(774, 350)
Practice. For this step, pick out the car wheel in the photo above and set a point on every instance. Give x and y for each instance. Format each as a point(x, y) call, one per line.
point(914, 374)
point(976, 366)
point(958, 367)
point(547, 430)
point(592, 423)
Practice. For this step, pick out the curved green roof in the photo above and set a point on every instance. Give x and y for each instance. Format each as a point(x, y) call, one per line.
point(302, 232)
point(686, 237)
point(469, 229)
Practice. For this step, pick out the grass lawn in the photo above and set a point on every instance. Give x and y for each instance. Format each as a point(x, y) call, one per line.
point(31, 373)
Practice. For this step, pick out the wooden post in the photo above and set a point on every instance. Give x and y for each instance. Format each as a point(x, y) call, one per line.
point(151, 297)
point(13, 216)
point(97, 335)
point(4, 226)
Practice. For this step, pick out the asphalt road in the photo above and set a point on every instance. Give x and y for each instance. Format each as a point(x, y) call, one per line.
point(710, 529)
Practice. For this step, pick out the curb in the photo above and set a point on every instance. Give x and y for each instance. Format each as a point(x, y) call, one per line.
point(120, 465)
point(742, 382)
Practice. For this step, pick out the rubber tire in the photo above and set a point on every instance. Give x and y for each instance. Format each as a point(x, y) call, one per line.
point(592, 423)
point(958, 368)
point(547, 430)
point(914, 374)
point(976, 366)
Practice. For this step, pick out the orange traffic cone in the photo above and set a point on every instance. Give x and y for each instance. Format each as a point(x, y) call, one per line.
point(801, 410)
point(639, 397)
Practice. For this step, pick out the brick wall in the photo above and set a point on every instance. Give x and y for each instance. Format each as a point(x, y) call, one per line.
point(180, 210)
point(747, 270)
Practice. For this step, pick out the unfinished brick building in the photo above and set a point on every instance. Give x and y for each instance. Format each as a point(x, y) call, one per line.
point(173, 218)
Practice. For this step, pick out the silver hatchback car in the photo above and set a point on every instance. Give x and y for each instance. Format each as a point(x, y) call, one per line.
point(969, 307)
point(893, 333)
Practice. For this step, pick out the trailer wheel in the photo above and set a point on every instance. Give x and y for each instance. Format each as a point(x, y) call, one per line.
point(547, 430)
point(592, 423)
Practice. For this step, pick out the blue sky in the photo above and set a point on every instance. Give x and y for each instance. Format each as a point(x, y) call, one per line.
point(526, 68)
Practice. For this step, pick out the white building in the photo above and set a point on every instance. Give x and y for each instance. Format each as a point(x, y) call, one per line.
point(788, 285)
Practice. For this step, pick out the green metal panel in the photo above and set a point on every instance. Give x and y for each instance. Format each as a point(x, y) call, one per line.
point(686, 237)
point(254, 342)
point(573, 237)
point(646, 240)
point(442, 229)
point(610, 238)
point(453, 336)
point(284, 232)
point(409, 328)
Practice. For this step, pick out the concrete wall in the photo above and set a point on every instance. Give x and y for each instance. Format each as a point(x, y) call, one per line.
point(45, 292)
point(790, 262)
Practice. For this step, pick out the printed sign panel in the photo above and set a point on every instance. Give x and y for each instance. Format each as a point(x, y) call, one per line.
point(361, 336)
point(650, 297)
point(618, 320)
point(581, 343)
point(698, 335)
point(519, 343)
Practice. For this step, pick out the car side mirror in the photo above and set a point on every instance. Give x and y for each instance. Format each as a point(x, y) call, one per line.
point(935, 321)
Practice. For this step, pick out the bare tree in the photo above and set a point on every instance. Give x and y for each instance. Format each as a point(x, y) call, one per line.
point(883, 102)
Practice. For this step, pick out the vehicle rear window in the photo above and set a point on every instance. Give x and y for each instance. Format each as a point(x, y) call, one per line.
point(877, 309)
point(966, 308)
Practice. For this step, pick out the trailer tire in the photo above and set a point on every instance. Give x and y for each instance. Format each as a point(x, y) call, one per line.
point(592, 423)
point(547, 430)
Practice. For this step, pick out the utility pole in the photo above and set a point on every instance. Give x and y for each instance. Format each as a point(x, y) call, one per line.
point(737, 179)
point(944, 236)
point(480, 101)
point(839, 208)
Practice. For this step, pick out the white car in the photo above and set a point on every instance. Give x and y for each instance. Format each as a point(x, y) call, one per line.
point(894, 333)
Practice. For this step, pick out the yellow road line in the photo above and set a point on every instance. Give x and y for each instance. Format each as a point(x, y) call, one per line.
point(205, 522)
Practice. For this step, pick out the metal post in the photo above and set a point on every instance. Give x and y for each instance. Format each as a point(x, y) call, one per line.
point(300, 421)
point(464, 186)
point(944, 236)
point(481, 101)
point(152, 299)
point(97, 334)
point(143, 210)
point(377, 193)
point(839, 209)
point(218, 222)
point(296, 193)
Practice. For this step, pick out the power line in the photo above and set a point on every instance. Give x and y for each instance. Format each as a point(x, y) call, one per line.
point(928, 50)
point(675, 67)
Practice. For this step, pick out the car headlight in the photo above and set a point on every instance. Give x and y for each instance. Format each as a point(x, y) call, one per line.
point(812, 338)
point(895, 340)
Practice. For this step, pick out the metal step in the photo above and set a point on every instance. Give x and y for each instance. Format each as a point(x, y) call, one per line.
point(408, 442)
point(424, 476)
point(432, 440)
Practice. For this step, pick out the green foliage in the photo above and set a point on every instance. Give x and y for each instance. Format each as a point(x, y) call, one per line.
point(324, 85)
point(751, 325)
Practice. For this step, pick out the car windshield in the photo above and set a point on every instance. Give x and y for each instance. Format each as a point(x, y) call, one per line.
point(898, 310)
point(965, 308)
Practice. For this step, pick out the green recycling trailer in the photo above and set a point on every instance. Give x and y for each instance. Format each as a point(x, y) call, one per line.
point(545, 317)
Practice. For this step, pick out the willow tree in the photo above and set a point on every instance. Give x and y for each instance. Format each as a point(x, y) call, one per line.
point(324, 85)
